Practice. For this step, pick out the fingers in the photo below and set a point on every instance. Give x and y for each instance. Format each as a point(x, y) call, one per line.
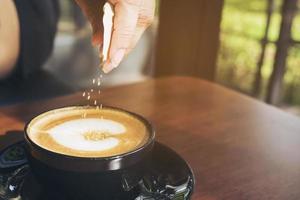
point(137, 35)
point(146, 17)
point(125, 22)
point(97, 37)
point(92, 10)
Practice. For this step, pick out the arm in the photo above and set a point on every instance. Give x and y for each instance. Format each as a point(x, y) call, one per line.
point(9, 37)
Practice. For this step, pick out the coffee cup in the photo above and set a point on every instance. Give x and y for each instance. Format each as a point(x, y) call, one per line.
point(84, 152)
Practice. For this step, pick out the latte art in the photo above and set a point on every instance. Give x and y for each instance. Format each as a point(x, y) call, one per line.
point(88, 134)
point(100, 133)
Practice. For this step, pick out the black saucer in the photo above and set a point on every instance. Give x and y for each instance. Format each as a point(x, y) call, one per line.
point(168, 177)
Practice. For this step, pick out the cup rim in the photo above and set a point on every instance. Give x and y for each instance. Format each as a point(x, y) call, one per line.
point(148, 125)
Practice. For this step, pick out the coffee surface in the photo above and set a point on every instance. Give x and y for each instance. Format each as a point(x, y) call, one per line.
point(88, 132)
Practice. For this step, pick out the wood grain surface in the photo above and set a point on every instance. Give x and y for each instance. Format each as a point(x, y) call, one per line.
point(239, 148)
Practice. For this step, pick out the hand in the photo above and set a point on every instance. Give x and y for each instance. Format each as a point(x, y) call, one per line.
point(131, 19)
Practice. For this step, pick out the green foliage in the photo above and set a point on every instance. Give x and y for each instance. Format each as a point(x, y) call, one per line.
point(242, 28)
point(296, 28)
point(237, 61)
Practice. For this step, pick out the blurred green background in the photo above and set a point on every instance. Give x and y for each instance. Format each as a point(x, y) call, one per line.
point(242, 29)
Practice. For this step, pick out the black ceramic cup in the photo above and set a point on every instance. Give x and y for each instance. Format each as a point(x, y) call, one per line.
point(81, 178)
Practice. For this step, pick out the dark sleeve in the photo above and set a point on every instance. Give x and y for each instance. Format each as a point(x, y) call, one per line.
point(38, 25)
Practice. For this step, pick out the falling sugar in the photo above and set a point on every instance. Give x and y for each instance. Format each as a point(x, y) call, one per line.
point(92, 94)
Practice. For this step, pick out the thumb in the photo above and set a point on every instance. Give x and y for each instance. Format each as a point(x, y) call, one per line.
point(125, 22)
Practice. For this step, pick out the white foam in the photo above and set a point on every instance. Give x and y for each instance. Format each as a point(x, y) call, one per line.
point(71, 134)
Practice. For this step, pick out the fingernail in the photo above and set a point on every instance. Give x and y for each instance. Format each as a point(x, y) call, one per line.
point(114, 61)
point(117, 58)
point(107, 67)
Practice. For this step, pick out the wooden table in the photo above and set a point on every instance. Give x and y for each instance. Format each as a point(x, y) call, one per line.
point(239, 148)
